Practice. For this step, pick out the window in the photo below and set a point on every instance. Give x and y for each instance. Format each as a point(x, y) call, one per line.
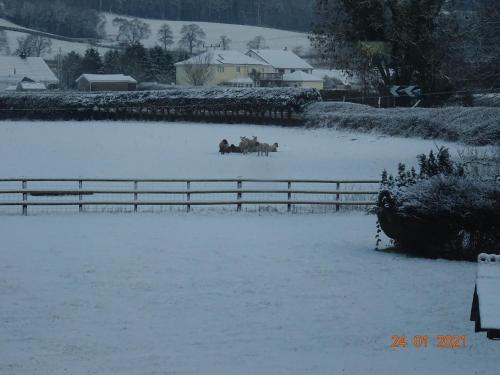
point(238, 69)
point(220, 69)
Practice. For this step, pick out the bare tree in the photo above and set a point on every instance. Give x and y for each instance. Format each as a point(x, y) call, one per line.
point(199, 70)
point(165, 36)
point(225, 42)
point(257, 43)
point(192, 37)
point(33, 45)
point(131, 32)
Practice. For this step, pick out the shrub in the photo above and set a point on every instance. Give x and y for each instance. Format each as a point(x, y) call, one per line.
point(442, 211)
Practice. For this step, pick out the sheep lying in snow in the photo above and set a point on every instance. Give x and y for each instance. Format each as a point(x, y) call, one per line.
point(247, 146)
point(224, 147)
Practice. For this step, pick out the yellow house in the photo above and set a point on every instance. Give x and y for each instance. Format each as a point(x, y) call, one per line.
point(219, 67)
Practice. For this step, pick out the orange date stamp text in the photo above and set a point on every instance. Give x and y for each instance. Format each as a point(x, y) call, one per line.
point(423, 342)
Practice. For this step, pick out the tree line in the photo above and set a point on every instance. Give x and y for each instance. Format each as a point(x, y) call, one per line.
point(144, 64)
point(80, 18)
point(60, 17)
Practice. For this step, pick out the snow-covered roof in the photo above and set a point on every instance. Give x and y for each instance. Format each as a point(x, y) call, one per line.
point(300, 76)
point(220, 57)
point(31, 86)
point(107, 78)
point(14, 68)
point(281, 59)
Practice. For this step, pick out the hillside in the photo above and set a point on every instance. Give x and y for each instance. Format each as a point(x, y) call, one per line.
point(77, 18)
point(239, 34)
point(65, 47)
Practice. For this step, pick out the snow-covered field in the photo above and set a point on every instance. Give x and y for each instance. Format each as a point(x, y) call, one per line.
point(239, 34)
point(187, 150)
point(218, 293)
point(226, 294)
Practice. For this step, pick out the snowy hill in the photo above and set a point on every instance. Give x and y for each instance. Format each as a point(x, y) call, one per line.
point(65, 47)
point(239, 34)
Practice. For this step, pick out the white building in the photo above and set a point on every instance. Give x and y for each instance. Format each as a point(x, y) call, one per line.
point(283, 61)
point(288, 69)
point(301, 79)
point(13, 69)
point(106, 82)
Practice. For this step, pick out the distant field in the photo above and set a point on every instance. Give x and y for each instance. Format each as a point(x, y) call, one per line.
point(239, 34)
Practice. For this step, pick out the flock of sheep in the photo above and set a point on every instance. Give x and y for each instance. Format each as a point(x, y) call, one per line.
point(247, 146)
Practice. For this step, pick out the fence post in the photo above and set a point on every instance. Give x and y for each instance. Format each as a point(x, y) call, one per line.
point(337, 207)
point(80, 197)
point(136, 185)
point(289, 207)
point(25, 198)
point(239, 196)
point(189, 196)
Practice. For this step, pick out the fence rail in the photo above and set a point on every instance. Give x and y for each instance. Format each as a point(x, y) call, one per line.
point(80, 195)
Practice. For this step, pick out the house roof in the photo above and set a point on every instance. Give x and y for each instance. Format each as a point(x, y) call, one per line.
point(32, 86)
point(281, 59)
point(107, 78)
point(300, 76)
point(14, 68)
point(220, 57)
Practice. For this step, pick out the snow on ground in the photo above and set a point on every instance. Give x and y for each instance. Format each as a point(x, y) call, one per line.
point(226, 294)
point(474, 126)
point(240, 35)
point(218, 293)
point(187, 150)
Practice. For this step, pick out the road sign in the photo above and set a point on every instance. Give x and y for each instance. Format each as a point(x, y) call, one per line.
point(394, 90)
point(411, 91)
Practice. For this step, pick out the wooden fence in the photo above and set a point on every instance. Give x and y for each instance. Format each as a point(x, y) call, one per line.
point(79, 193)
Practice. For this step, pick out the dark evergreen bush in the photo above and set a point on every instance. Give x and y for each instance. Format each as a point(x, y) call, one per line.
point(440, 211)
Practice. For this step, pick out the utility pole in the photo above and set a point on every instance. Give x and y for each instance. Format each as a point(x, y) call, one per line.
point(259, 20)
point(59, 66)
